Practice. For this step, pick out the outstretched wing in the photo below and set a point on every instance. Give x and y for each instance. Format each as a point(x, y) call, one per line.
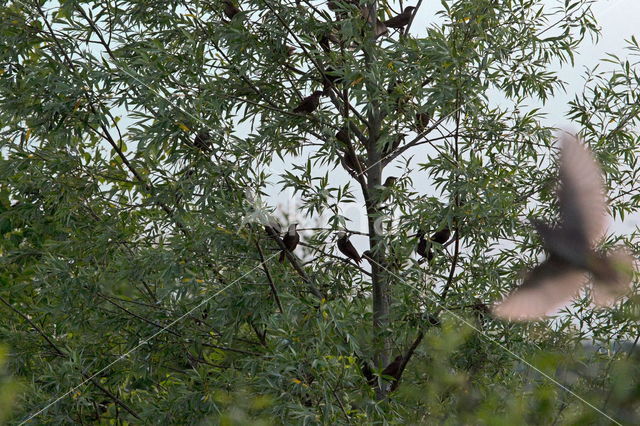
point(545, 288)
point(583, 206)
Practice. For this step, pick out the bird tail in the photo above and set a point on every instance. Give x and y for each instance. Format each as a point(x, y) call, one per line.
point(281, 256)
point(606, 291)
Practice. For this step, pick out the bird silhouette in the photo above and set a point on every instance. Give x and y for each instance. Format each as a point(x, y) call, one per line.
point(424, 244)
point(290, 240)
point(390, 146)
point(379, 29)
point(345, 246)
point(393, 369)
point(202, 141)
point(309, 104)
point(230, 10)
point(422, 121)
point(401, 20)
point(390, 181)
point(583, 213)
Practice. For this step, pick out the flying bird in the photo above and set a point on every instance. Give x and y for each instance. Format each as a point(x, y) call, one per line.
point(290, 240)
point(230, 10)
point(309, 104)
point(570, 243)
point(401, 20)
point(345, 246)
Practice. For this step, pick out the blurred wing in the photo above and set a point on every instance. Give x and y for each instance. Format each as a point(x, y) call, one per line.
point(605, 292)
point(583, 207)
point(545, 288)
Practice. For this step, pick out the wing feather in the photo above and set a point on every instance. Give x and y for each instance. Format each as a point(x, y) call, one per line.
point(545, 288)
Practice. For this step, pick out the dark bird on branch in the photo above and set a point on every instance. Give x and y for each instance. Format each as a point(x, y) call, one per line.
point(309, 104)
point(390, 181)
point(343, 135)
point(442, 236)
point(290, 240)
point(272, 227)
point(345, 246)
point(583, 212)
point(325, 41)
point(330, 78)
point(401, 20)
point(380, 28)
point(424, 247)
point(422, 121)
point(393, 369)
point(392, 145)
point(230, 10)
point(424, 244)
point(202, 141)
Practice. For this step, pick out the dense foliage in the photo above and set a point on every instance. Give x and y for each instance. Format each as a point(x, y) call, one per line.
point(140, 140)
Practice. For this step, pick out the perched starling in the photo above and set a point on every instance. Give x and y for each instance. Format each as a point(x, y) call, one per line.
point(230, 10)
point(366, 370)
point(380, 28)
point(368, 255)
point(343, 135)
point(290, 240)
point(202, 141)
point(272, 227)
point(352, 163)
point(393, 369)
point(393, 144)
point(422, 121)
point(390, 181)
point(401, 20)
point(424, 248)
point(570, 244)
point(309, 104)
point(345, 246)
point(330, 79)
point(325, 41)
point(442, 236)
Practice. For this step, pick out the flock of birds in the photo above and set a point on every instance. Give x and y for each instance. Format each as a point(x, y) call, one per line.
point(571, 243)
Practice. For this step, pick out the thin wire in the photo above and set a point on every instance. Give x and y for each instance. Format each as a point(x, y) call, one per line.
point(500, 345)
point(144, 342)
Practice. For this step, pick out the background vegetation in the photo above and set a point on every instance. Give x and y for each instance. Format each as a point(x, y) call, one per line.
point(136, 285)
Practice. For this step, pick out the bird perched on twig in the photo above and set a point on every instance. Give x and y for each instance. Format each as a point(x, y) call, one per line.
point(345, 246)
point(202, 141)
point(401, 20)
point(570, 244)
point(392, 145)
point(393, 369)
point(422, 121)
point(290, 240)
point(390, 181)
point(379, 29)
point(230, 10)
point(424, 245)
point(309, 104)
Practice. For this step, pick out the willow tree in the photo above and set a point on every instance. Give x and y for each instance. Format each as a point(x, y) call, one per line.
point(140, 140)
